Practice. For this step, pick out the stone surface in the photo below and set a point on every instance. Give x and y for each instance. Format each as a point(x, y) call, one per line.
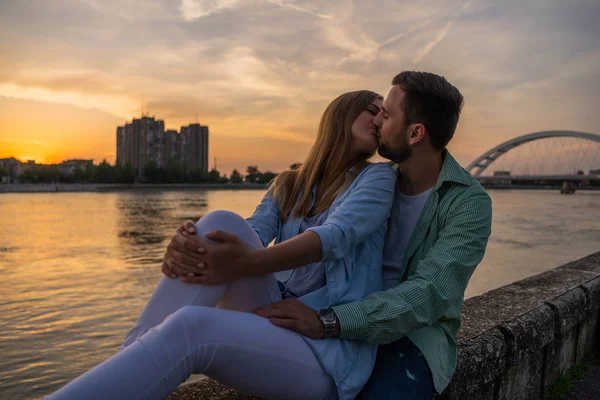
point(591, 289)
point(528, 333)
point(480, 361)
point(570, 309)
point(207, 389)
point(590, 263)
point(522, 381)
point(488, 310)
point(588, 342)
point(560, 356)
point(589, 330)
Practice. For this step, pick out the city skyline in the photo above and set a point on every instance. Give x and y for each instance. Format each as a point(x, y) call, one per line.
point(144, 140)
point(261, 72)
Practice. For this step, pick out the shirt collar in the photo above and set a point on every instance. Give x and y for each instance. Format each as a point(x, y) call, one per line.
point(451, 172)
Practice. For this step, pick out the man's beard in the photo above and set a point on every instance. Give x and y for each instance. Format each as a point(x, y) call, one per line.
point(399, 155)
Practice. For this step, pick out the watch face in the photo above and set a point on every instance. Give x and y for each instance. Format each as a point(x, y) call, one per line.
point(328, 315)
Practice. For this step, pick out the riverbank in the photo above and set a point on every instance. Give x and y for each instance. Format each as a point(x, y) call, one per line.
point(120, 187)
point(117, 187)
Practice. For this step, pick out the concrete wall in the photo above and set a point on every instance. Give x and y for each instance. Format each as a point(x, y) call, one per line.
point(514, 341)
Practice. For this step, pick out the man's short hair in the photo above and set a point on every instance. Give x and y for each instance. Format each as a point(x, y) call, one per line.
point(432, 101)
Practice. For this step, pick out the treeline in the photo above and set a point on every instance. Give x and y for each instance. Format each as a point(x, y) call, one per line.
point(106, 173)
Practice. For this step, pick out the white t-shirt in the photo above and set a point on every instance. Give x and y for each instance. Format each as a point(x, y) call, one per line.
point(403, 219)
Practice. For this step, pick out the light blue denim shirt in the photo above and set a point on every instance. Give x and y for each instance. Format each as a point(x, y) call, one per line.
point(352, 240)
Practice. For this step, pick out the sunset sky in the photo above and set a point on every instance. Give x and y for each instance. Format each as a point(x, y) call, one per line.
point(259, 73)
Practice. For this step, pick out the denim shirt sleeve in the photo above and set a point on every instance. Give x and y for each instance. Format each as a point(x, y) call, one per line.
point(265, 220)
point(360, 214)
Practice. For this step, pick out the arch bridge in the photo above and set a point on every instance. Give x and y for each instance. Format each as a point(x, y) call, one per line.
point(481, 163)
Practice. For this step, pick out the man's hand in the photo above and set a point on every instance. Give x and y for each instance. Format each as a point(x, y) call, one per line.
point(294, 315)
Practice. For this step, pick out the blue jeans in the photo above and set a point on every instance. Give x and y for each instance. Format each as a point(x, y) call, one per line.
point(401, 372)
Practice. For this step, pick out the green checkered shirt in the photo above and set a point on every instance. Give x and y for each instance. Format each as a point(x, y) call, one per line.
point(447, 244)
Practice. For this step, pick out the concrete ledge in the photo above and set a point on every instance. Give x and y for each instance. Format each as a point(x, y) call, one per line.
point(592, 292)
point(569, 310)
point(588, 341)
point(481, 360)
point(514, 341)
point(528, 333)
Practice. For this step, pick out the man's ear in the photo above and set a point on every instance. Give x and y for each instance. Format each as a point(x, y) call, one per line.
point(416, 133)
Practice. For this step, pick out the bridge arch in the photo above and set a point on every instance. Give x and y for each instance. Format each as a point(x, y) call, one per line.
point(482, 162)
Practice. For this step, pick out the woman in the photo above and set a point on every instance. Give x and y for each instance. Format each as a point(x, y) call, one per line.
point(329, 219)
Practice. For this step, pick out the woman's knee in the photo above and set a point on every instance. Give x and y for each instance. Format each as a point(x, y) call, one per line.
point(221, 217)
point(230, 222)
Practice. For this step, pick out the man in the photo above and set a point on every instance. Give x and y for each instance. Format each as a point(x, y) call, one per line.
point(439, 228)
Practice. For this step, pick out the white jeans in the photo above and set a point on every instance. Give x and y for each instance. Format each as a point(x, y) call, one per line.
point(180, 332)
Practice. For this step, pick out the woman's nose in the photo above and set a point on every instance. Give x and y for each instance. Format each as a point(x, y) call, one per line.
point(377, 120)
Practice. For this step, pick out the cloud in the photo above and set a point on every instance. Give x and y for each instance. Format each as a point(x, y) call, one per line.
point(131, 10)
point(192, 10)
point(441, 34)
point(262, 68)
point(399, 36)
point(294, 7)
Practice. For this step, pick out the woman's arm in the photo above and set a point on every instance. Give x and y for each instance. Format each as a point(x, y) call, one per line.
point(354, 220)
point(265, 220)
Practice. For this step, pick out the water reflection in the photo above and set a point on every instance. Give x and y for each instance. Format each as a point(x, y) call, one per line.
point(77, 268)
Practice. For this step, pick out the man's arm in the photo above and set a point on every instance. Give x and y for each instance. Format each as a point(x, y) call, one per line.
point(440, 279)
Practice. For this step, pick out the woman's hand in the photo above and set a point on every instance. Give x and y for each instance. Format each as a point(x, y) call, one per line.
point(224, 259)
point(182, 256)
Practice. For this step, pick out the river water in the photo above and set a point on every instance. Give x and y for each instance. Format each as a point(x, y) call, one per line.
point(77, 268)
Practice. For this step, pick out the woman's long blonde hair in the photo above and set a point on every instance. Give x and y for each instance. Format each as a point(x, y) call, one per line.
point(330, 163)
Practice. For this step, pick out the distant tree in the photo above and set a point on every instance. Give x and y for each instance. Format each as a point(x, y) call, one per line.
point(236, 177)
point(66, 178)
point(214, 176)
point(252, 174)
point(3, 172)
point(78, 175)
point(126, 173)
point(295, 166)
point(90, 173)
point(580, 172)
point(197, 175)
point(48, 174)
point(106, 173)
point(174, 173)
point(266, 177)
point(153, 173)
point(29, 176)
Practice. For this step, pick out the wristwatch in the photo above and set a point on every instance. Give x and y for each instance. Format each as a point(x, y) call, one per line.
point(329, 320)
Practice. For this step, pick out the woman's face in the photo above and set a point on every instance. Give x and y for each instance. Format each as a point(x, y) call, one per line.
point(364, 134)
